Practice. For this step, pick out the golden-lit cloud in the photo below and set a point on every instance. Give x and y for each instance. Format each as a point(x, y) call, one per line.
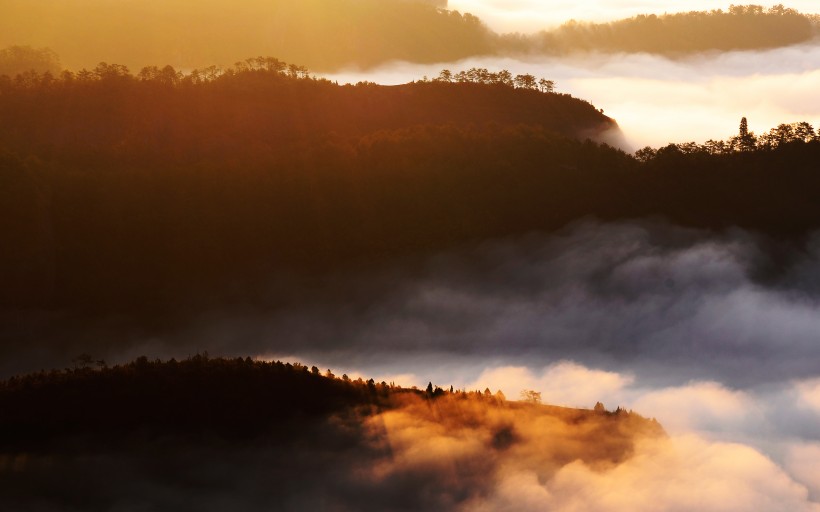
point(801, 461)
point(564, 383)
point(679, 474)
point(556, 464)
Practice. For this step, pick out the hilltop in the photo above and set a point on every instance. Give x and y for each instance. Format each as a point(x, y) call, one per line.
point(272, 434)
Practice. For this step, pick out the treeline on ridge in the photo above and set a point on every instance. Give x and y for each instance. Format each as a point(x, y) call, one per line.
point(749, 27)
point(330, 35)
point(126, 193)
point(202, 395)
point(198, 395)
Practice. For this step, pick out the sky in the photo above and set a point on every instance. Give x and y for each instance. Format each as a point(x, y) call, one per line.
point(534, 15)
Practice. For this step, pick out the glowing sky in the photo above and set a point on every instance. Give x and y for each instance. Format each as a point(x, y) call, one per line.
point(534, 15)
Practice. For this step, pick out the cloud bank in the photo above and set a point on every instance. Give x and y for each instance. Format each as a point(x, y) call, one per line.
point(450, 454)
point(713, 334)
point(532, 15)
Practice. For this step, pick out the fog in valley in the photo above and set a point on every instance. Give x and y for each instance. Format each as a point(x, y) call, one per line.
point(713, 333)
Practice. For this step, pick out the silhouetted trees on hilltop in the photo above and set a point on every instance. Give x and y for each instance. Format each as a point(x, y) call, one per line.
point(195, 396)
point(503, 77)
point(782, 136)
point(203, 396)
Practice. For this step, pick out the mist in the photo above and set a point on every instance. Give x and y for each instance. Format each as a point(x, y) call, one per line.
point(712, 334)
point(657, 101)
point(531, 15)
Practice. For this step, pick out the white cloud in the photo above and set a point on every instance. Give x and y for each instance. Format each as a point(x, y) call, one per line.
point(809, 391)
point(564, 383)
point(534, 15)
point(700, 406)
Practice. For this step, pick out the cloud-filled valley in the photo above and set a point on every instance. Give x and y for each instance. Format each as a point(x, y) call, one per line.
point(714, 334)
point(461, 232)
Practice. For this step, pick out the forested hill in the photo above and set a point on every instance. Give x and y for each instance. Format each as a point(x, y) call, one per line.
point(261, 106)
point(121, 193)
point(741, 27)
point(232, 398)
point(255, 435)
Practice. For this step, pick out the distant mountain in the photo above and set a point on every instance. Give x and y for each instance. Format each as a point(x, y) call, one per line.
point(323, 34)
point(330, 35)
point(676, 34)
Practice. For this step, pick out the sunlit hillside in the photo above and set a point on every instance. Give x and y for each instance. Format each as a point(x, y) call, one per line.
point(279, 435)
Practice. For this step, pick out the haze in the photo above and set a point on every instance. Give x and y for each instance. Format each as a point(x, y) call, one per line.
point(462, 234)
point(533, 15)
point(657, 100)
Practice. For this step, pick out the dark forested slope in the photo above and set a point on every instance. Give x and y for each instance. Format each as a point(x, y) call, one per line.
point(263, 106)
point(210, 433)
point(123, 193)
point(138, 189)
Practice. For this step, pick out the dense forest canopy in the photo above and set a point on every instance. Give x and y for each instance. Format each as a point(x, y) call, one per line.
point(122, 192)
point(333, 34)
